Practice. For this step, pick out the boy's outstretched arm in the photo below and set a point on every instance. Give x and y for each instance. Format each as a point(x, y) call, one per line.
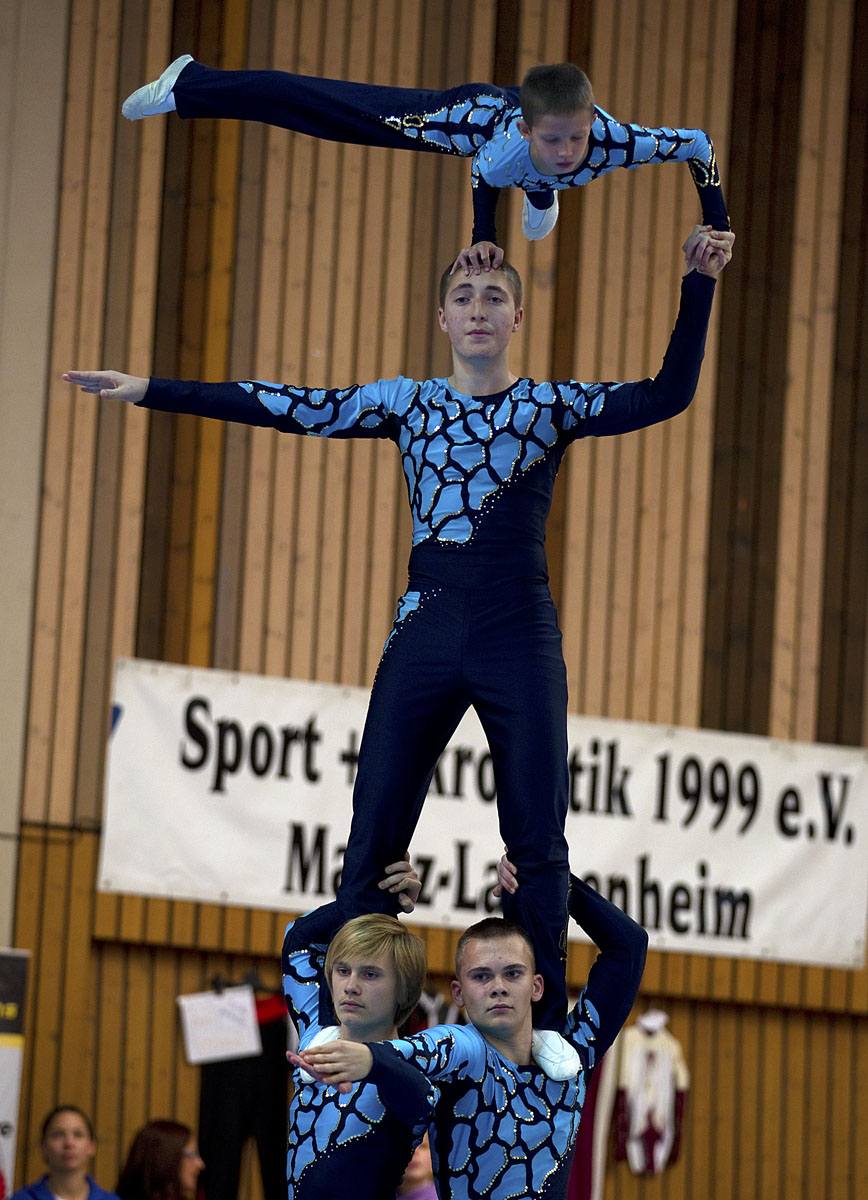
point(404, 1090)
point(110, 385)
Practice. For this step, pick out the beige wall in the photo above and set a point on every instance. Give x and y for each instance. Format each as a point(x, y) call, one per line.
point(32, 85)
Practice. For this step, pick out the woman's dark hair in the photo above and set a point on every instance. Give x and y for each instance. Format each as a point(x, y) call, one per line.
point(152, 1167)
point(62, 1108)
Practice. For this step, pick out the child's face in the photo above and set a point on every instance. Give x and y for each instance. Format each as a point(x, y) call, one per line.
point(364, 996)
point(496, 985)
point(67, 1145)
point(558, 141)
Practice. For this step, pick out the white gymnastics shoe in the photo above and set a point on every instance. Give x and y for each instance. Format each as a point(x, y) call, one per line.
point(555, 1055)
point(537, 222)
point(156, 97)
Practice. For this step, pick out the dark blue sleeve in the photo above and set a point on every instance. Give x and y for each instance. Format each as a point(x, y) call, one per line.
point(357, 411)
point(485, 198)
point(603, 409)
point(303, 964)
point(614, 978)
point(402, 1087)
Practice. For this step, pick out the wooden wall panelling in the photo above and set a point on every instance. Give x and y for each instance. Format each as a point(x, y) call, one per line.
point(636, 504)
point(215, 350)
point(773, 1064)
point(59, 422)
point(137, 1016)
point(653, 654)
point(336, 235)
point(243, 333)
point(189, 979)
point(384, 323)
point(548, 268)
point(114, 315)
point(166, 1044)
point(710, 55)
point(564, 315)
point(48, 962)
point(32, 99)
point(408, 291)
point(275, 460)
point(162, 623)
point(306, 281)
point(193, 209)
point(77, 1032)
point(158, 916)
point(235, 927)
point(699, 1050)
point(132, 918)
point(818, 215)
point(264, 609)
point(727, 1090)
point(92, 250)
point(106, 915)
point(247, 517)
point(817, 1164)
point(543, 33)
point(740, 589)
point(107, 1109)
point(266, 932)
point(746, 1070)
point(625, 301)
point(859, 1095)
point(574, 356)
point(362, 221)
point(839, 1088)
point(26, 936)
point(841, 710)
point(597, 341)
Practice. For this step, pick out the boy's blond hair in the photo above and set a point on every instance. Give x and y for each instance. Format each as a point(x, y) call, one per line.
point(556, 88)
point(377, 934)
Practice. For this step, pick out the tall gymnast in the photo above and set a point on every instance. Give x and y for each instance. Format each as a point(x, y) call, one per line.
point(477, 625)
point(545, 136)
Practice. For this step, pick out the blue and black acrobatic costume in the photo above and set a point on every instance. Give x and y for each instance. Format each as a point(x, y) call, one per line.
point(475, 120)
point(357, 1144)
point(502, 1129)
point(477, 625)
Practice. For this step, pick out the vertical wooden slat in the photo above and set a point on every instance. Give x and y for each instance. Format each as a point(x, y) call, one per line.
point(797, 1081)
point(52, 522)
point(746, 1132)
point(818, 217)
point(741, 585)
point(602, 272)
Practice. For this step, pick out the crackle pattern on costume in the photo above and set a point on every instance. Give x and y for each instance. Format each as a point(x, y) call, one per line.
point(460, 127)
point(457, 451)
point(502, 1130)
point(329, 1132)
point(504, 160)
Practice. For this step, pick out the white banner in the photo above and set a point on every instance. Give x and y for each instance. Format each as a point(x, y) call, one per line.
point(237, 789)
